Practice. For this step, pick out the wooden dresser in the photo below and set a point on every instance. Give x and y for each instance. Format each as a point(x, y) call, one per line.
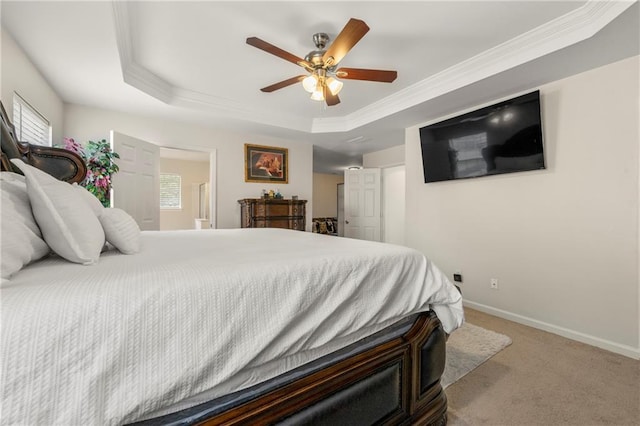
point(273, 213)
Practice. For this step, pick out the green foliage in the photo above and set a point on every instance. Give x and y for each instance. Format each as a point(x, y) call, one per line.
point(100, 166)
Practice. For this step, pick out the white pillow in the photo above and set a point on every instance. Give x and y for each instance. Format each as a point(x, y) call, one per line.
point(121, 230)
point(22, 241)
point(91, 200)
point(68, 224)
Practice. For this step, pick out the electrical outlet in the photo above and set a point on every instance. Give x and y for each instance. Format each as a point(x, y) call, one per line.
point(494, 283)
point(457, 277)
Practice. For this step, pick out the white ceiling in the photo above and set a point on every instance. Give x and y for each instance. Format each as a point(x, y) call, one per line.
point(189, 60)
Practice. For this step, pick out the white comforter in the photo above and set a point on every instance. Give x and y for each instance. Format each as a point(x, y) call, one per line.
point(195, 311)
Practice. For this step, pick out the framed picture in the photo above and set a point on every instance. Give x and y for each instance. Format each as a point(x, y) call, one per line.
point(266, 164)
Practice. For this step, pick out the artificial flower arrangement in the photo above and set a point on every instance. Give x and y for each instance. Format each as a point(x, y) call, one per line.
point(100, 166)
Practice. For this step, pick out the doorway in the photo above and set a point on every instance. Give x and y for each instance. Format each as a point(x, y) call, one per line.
point(192, 172)
point(136, 187)
point(362, 204)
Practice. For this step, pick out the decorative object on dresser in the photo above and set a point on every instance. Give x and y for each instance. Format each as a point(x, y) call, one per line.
point(266, 164)
point(273, 213)
point(325, 225)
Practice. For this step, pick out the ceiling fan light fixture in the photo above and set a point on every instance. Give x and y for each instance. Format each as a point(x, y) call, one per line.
point(334, 85)
point(321, 64)
point(309, 83)
point(317, 95)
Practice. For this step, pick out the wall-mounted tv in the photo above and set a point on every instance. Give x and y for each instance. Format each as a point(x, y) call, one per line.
point(501, 138)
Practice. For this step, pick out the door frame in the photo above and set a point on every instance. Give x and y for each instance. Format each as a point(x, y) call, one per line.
point(213, 179)
point(363, 221)
point(213, 189)
point(384, 200)
point(383, 196)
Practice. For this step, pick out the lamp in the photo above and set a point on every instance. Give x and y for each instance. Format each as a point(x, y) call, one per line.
point(317, 95)
point(310, 82)
point(318, 91)
point(334, 85)
point(317, 82)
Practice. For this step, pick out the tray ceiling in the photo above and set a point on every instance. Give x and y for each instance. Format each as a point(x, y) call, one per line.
point(189, 60)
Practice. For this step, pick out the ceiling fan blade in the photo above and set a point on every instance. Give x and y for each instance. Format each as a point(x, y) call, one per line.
point(283, 83)
point(344, 42)
point(270, 48)
point(330, 98)
point(365, 74)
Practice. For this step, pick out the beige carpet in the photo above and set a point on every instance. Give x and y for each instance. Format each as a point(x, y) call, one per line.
point(543, 379)
point(467, 348)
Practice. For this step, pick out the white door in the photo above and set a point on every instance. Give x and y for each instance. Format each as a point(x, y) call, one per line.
point(213, 185)
point(362, 204)
point(341, 209)
point(136, 186)
point(393, 189)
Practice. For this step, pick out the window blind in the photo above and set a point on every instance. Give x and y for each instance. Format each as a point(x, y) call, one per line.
point(31, 126)
point(170, 191)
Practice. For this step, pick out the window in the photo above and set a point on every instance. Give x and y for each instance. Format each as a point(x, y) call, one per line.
point(170, 191)
point(31, 126)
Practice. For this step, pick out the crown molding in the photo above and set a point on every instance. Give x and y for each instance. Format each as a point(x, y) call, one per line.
point(132, 73)
point(142, 79)
point(573, 27)
point(235, 110)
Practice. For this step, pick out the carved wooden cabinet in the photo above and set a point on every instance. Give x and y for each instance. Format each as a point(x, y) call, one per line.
point(272, 213)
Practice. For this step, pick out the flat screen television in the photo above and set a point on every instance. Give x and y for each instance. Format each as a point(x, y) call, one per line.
point(501, 138)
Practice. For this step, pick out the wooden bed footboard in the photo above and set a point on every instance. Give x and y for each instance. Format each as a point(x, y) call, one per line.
point(396, 382)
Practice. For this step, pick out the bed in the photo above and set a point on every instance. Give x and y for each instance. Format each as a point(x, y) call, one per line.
point(237, 326)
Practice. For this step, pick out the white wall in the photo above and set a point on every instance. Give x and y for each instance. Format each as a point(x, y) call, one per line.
point(393, 204)
point(325, 194)
point(192, 173)
point(393, 156)
point(563, 242)
point(86, 123)
point(20, 75)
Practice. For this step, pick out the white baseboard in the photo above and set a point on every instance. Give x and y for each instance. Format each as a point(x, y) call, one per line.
point(625, 350)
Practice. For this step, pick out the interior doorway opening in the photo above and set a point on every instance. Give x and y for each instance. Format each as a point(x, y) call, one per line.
point(195, 171)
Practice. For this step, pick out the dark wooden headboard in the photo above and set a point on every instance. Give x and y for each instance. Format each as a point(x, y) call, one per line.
point(60, 163)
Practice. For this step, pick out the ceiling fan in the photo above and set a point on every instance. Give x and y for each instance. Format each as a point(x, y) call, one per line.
point(322, 64)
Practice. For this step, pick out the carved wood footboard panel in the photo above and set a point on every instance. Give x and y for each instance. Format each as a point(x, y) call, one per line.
point(396, 382)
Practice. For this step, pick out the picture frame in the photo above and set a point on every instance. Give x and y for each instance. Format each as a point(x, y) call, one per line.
point(266, 164)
